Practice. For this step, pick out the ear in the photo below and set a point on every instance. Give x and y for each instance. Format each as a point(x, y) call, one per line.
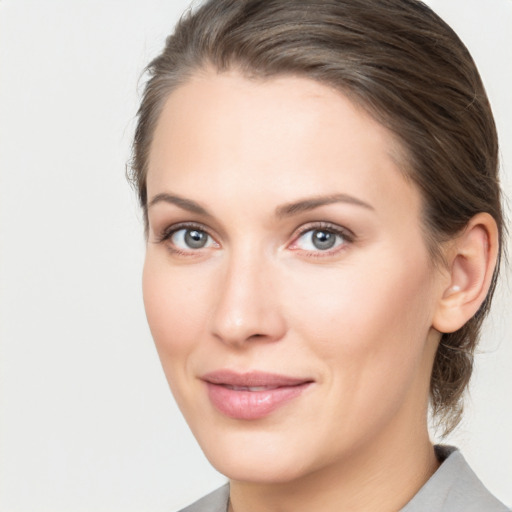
point(471, 260)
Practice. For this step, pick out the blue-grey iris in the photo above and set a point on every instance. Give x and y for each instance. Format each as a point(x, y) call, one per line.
point(195, 239)
point(323, 239)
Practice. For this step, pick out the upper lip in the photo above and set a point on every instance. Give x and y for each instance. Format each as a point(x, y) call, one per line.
point(252, 379)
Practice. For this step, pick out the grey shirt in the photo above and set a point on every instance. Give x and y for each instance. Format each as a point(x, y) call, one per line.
point(452, 488)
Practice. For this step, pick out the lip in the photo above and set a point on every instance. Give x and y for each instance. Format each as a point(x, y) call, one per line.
point(252, 395)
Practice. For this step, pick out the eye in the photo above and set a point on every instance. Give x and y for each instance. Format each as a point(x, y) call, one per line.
point(321, 239)
point(191, 238)
point(186, 239)
point(318, 239)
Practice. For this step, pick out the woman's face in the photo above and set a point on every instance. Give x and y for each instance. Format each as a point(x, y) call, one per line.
point(287, 284)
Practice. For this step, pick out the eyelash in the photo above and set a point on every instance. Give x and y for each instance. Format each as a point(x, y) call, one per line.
point(347, 235)
point(168, 232)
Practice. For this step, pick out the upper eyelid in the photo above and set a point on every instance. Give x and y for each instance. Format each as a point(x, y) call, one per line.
point(326, 226)
point(168, 231)
point(215, 230)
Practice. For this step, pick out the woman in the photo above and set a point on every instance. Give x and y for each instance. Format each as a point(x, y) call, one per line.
point(319, 185)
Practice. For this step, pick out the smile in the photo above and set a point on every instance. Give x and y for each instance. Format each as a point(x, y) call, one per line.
point(253, 395)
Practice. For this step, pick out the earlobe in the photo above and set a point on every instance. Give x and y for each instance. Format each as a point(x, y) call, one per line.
point(471, 261)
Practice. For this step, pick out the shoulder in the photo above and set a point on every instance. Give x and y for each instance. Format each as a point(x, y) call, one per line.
point(216, 501)
point(454, 487)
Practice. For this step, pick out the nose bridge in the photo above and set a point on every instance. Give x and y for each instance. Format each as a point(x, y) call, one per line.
point(246, 308)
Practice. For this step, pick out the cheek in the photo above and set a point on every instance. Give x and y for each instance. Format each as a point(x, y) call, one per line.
point(368, 326)
point(172, 300)
point(175, 301)
point(368, 320)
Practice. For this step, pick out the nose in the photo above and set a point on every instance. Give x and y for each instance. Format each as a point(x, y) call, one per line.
point(247, 308)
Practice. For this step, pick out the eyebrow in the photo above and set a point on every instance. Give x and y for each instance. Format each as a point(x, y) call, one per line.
point(185, 204)
point(285, 210)
point(311, 203)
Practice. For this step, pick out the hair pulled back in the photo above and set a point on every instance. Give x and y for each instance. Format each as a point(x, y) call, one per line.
point(401, 63)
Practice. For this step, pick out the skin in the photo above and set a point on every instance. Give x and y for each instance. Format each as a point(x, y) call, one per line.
point(358, 319)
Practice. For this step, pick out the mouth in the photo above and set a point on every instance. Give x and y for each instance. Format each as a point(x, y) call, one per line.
point(252, 395)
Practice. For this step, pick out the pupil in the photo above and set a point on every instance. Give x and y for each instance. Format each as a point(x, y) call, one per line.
point(195, 239)
point(323, 239)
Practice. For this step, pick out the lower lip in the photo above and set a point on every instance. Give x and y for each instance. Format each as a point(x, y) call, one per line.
point(252, 405)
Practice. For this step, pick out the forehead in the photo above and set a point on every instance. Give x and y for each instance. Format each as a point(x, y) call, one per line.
point(285, 137)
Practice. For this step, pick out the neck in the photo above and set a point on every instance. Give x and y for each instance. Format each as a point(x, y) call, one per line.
point(382, 477)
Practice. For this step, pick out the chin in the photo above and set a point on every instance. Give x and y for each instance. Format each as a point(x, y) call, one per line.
point(263, 458)
point(260, 471)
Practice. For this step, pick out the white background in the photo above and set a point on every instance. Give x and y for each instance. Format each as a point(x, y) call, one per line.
point(86, 420)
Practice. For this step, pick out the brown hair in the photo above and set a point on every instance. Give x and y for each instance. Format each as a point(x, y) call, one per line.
point(399, 61)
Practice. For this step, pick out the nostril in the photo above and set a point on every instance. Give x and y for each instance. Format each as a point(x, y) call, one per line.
point(243, 312)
